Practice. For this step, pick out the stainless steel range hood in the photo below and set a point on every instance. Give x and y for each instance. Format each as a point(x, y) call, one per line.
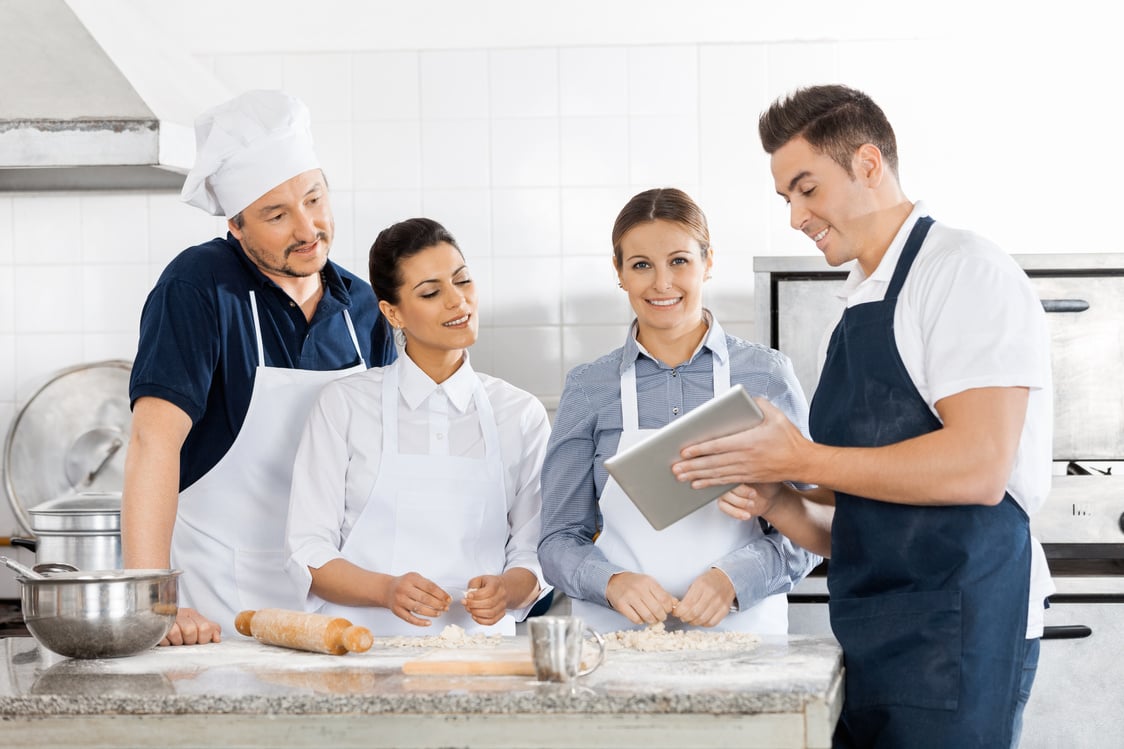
point(93, 99)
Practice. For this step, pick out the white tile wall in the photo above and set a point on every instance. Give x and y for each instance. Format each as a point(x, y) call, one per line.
point(527, 154)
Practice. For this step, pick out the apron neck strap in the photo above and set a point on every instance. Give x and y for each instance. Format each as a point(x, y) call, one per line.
point(354, 338)
point(630, 409)
point(909, 254)
point(257, 329)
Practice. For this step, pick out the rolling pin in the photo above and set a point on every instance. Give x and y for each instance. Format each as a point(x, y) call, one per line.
point(318, 633)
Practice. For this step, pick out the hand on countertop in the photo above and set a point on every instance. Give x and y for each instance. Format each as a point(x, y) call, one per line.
point(192, 628)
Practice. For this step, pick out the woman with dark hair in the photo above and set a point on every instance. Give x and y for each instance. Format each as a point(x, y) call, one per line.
point(702, 571)
point(415, 494)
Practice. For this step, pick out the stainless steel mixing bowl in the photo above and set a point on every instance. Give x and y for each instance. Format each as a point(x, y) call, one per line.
point(100, 613)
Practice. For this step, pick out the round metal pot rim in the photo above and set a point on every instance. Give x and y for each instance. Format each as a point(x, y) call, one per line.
point(93, 511)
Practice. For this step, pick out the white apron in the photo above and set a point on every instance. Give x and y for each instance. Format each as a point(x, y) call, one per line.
point(230, 526)
point(678, 554)
point(441, 516)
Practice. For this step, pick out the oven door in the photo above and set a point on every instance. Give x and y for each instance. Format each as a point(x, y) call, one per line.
point(1078, 692)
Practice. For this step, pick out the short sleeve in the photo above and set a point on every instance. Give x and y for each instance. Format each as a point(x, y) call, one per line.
point(178, 349)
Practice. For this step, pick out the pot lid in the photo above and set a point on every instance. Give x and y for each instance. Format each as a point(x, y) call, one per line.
point(80, 503)
point(69, 438)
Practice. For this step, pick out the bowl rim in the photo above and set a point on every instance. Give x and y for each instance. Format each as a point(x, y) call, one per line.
point(101, 576)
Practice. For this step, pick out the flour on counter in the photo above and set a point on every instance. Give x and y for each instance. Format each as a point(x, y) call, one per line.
point(658, 638)
point(453, 636)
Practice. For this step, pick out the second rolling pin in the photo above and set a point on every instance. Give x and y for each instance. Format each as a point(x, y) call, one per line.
point(318, 633)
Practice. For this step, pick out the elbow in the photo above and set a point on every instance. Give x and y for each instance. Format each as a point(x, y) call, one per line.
point(985, 486)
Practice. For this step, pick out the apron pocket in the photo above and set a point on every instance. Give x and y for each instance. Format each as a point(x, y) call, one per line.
point(902, 649)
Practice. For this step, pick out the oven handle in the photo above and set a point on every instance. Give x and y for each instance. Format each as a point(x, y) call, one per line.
point(1066, 632)
point(1065, 305)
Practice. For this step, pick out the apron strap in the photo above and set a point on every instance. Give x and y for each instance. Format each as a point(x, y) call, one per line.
point(354, 338)
point(257, 329)
point(909, 254)
point(630, 407)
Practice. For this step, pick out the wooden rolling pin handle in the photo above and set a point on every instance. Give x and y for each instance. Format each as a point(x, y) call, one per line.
point(317, 633)
point(357, 639)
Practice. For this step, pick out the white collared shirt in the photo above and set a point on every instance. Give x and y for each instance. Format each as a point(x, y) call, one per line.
point(340, 451)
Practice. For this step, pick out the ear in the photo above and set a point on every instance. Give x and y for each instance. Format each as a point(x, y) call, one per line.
point(620, 278)
point(390, 312)
point(709, 261)
point(233, 229)
point(868, 166)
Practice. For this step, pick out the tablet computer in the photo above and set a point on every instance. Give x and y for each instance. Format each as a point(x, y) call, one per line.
point(644, 469)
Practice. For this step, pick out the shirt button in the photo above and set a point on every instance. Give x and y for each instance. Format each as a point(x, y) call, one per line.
point(292, 304)
point(440, 436)
point(675, 373)
point(675, 410)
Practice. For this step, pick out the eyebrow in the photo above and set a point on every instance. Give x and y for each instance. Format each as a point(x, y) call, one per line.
point(271, 208)
point(794, 180)
point(436, 280)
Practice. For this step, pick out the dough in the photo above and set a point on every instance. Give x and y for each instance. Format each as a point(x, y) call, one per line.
point(657, 638)
point(452, 636)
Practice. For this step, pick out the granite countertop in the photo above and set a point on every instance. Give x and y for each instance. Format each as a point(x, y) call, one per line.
point(791, 676)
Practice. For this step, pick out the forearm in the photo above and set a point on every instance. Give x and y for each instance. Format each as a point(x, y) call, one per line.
point(522, 587)
point(150, 495)
point(804, 521)
point(967, 461)
point(342, 582)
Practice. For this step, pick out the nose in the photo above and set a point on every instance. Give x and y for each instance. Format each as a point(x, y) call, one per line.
point(663, 278)
point(797, 215)
point(304, 230)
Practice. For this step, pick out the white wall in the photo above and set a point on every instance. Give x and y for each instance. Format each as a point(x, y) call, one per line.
point(524, 127)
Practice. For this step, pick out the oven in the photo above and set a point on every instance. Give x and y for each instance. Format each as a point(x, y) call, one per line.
point(1079, 688)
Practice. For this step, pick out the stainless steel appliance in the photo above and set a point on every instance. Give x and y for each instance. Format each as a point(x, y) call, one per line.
point(1080, 684)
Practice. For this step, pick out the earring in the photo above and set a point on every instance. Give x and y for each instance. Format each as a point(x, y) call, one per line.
point(706, 277)
point(400, 338)
point(620, 285)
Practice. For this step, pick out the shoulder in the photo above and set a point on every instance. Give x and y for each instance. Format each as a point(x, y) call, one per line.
point(756, 356)
point(604, 368)
point(513, 404)
point(960, 258)
point(359, 390)
point(204, 264)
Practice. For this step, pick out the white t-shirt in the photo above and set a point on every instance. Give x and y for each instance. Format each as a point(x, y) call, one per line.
point(967, 317)
point(340, 451)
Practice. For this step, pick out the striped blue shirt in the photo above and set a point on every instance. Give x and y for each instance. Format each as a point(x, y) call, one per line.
point(587, 430)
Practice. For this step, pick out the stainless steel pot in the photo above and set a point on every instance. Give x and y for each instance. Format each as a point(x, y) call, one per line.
point(82, 529)
point(100, 614)
point(84, 512)
point(86, 551)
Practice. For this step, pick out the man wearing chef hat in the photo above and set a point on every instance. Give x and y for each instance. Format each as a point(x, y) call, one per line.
point(236, 339)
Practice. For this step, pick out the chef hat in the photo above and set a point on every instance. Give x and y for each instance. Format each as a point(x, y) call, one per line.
point(245, 148)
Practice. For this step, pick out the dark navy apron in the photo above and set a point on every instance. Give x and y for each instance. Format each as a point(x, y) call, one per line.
point(928, 603)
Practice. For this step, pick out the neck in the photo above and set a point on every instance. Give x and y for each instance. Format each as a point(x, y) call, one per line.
point(439, 365)
point(884, 226)
point(672, 347)
point(306, 291)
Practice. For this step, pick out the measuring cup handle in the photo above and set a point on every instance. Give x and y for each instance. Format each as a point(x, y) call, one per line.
point(600, 652)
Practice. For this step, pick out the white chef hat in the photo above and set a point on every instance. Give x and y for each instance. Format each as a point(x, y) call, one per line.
point(245, 148)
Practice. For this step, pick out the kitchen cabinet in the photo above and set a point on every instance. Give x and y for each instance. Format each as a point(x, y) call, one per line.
point(781, 692)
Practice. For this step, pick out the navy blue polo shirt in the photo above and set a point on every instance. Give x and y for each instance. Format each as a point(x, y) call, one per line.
point(198, 349)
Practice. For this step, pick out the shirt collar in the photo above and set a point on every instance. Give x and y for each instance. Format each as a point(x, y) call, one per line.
point(884, 273)
point(714, 341)
point(416, 386)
